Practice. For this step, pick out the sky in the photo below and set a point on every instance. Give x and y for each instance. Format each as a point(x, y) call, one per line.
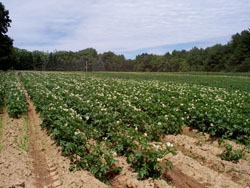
point(128, 27)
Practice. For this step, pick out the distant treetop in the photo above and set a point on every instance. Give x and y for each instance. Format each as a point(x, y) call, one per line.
point(4, 19)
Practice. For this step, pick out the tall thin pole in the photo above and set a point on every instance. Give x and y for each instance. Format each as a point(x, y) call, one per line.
point(86, 66)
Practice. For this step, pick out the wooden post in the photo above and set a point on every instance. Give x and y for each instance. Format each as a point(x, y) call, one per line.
point(86, 66)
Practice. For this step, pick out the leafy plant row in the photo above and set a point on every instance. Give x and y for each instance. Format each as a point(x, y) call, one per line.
point(168, 106)
point(12, 93)
point(232, 155)
point(122, 117)
point(88, 133)
point(228, 81)
point(2, 90)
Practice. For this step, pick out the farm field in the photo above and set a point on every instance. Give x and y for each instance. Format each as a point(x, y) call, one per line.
point(233, 81)
point(130, 129)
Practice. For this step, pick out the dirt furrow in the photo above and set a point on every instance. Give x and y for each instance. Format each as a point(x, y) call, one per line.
point(196, 165)
point(40, 165)
point(128, 178)
point(181, 180)
point(50, 167)
point(15, 163)
point(201, 174)
point(213, 141)
point(207, 156)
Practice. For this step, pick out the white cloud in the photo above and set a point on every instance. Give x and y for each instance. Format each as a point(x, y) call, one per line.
point(122, 26)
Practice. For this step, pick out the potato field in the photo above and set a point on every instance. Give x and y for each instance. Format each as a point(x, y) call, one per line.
point(146, 120)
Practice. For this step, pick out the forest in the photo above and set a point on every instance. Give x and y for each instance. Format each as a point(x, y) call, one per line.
point(231, 57)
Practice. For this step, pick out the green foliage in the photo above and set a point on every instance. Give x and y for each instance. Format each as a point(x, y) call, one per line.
point(229, 81)
point(94, 127)
point(2, 90)
point(96, 118)
point(195, 59)
point(14, 95)
point(6, 43)
point(113, 62)
point(244, 67)
point(4, 20)
point(216, 58)
point(88, 54)
point(23, 59)
point(232, 155)
point(232, 57)
point(146, 162)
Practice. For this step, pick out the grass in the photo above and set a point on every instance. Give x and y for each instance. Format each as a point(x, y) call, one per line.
point(199, 134)
point(1, 133)
point(24, 141)
point(189, 154)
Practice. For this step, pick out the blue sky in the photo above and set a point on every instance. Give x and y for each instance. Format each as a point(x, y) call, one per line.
point(127, 27)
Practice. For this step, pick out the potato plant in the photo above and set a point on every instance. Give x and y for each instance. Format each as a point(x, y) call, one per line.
point(89, 134)
point(13, 94)
point(2, 91)
point(96, 119)
point(231, 155)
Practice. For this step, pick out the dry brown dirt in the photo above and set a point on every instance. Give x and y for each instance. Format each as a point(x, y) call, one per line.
point(15, 162)
point(200, 159)
point(49, 166)
point(197, 163)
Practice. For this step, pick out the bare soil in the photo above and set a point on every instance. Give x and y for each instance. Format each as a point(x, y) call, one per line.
point(127, 178)
point(49, 166)
point(15, 162)
point(197, 157)
point(30, 158)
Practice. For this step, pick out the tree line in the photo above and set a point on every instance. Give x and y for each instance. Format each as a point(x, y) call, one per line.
point(231, 57)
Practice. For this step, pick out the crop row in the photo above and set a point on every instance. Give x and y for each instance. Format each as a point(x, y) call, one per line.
point(94, 119)
point(12, 93)
point(92, 144)
point(1, 91)
point(221, 80)
point(168, 106)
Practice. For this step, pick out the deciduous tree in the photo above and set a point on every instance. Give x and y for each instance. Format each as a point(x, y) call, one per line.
point(6, 43)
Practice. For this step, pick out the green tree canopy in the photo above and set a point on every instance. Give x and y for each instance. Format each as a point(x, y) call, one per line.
point(6, 43)
point(4, 19)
